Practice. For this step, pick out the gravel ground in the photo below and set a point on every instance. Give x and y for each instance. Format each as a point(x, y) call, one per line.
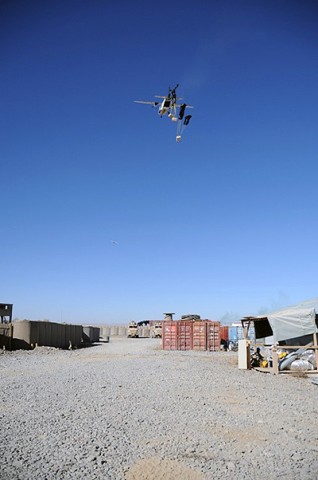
point(129, 411)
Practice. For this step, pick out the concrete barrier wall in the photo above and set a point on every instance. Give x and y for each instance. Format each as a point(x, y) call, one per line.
point(91, 334)
point(104, 332)
point(29, 333)
point(114, 330)
point(144, 332)
point(122, 331)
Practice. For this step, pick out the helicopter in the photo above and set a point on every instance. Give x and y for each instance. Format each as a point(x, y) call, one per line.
point(168, 106)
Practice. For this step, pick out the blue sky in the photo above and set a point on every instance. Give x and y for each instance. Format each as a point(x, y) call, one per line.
point(223, 224)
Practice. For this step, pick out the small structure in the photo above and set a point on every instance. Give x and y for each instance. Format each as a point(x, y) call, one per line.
point(291, 329)
point(6, 312)
point(6, 325)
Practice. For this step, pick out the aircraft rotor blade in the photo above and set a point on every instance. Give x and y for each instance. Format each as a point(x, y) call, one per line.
point(188, 106)
point(146, 103)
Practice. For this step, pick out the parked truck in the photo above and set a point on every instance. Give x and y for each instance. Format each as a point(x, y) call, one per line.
point(157, 330)
point(132, 330)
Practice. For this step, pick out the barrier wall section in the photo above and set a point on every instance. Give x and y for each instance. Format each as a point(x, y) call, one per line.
point(91, 334)
point(29, 333)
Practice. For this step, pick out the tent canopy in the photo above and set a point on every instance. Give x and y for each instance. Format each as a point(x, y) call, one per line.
point(292, 322)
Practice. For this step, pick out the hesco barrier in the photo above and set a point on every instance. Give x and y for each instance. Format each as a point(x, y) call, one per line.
point(122, 331)
point(104, 333)
point(91, 334)
point(29, 333)
point(107, 331)
point(114, 330)
point(144, 332)
point(191, 335)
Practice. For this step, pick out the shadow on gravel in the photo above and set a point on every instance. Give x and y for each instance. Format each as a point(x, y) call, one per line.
point(89, 345)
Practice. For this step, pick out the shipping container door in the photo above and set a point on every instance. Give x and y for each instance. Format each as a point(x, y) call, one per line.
point(213, 336)
point(199, 335)
point(185, 335)
point(224, 331)
point(169, 336)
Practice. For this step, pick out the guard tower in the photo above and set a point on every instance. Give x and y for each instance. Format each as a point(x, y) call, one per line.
point(6, 312)
point(168, 317)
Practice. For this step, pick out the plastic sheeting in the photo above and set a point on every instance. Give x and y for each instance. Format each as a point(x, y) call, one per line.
point(292, 322)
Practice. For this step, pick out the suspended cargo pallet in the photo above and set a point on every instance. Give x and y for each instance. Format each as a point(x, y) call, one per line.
point(191, 335)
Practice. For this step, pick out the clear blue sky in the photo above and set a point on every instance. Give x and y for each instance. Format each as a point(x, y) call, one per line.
point(223, 224)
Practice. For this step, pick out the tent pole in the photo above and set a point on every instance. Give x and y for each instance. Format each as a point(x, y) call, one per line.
point(275, 369)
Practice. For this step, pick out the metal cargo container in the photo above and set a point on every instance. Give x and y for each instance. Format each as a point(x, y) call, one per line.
point(185, 334)
point(199, 335)
point(213, 336)
point(169, 335)
point(191, 335)
point(224, 332)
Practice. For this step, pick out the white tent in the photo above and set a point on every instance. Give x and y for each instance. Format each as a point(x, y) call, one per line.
point(292, 322)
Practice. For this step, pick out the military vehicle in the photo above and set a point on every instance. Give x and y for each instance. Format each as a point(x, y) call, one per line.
point(133, 330)
point(191, 316)
point(157, 330)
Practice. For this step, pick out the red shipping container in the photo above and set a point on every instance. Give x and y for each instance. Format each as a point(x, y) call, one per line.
point(199, 335)
point(224, 333)
point(169, 335)
point(185, 335)
point(191, 335)
point(213, 336)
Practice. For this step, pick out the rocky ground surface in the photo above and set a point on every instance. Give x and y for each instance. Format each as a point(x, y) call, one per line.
point(129, 411)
